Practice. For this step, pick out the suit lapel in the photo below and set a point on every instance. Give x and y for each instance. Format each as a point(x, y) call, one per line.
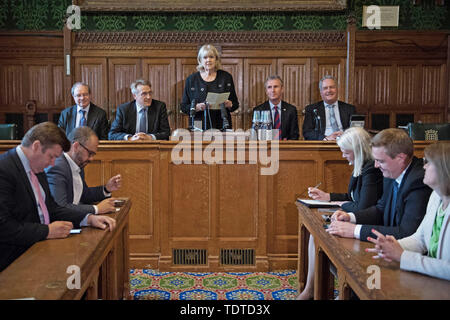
point(322, 115)
point(130, 119)
point(73, 118)
point(68, 172)
point(151, 117)
point(91, 116)
point(284, 117)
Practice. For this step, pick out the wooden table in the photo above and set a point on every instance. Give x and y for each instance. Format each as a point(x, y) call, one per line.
point(356, 269)
point(47, 269)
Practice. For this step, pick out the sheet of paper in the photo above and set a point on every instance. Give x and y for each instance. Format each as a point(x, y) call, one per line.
point(215, 99)
point(318, 203)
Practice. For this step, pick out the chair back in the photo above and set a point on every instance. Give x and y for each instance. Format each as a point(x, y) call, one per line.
point(8, 131)
point(429, 131)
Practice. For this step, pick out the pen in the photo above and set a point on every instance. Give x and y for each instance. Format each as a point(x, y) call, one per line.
point(318, 185)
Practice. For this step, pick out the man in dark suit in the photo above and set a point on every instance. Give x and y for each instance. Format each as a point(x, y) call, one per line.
point(141, 119)
point(28, 213)
point(403, 204)
point(84, 113)
point(327, 119)
point(66, 178)
point(281, 111)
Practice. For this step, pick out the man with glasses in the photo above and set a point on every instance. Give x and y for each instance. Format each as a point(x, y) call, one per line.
point(84, 113)
point(144, 118)
point(66, 178)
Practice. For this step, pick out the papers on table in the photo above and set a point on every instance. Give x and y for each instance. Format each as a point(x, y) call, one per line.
point(215, 99)
point(318, 204)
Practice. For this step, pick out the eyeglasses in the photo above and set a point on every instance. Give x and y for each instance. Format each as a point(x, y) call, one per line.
point(425, 161)
point(90, 153)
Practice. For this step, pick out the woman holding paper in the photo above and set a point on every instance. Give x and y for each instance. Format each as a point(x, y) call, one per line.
point(427, 251)
point(209, 78)
point(365, 188)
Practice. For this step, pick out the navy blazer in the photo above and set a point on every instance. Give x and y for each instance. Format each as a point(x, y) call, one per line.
point(410, 207)
point(20, 226)
point(367, 189)
point(125, 121)
point(96, 120)
point(289, 119)
point(310, 132)
point(60, 180)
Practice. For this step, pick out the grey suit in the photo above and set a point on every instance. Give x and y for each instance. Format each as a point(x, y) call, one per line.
point(60, 181)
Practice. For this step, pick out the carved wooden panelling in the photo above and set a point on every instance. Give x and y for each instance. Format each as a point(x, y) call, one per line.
point(362, 85)
point(161, 74)
point(406, 85)
point(11, 77)
point(382, 88)
point(189, 185)
point(432, 84)
point(234, 67)
point(296, 77)
point(237, 212)
point(256, 72)
point(38, 78)
point(93, 72)
point(58, 86)
point(122, 72)
point(185, 67)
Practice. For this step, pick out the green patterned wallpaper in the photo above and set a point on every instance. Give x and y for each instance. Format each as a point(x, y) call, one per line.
point(49, 15)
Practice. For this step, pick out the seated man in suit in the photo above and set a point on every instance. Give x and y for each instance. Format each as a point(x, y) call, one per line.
point(28, 213)
point(284, 115)
point(327, 119)
point(66, 177)
point(403, 204)
point(141, 119)
point(84, 113)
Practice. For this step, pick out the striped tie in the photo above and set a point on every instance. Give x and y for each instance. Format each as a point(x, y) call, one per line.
point(333, 121)
point(277, 124)
point(37, 189)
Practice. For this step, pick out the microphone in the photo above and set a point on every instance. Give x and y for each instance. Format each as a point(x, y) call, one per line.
point(192, 110)
point(223, 113)
point(317, 120)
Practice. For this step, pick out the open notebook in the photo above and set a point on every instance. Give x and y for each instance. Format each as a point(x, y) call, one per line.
point(317, 203)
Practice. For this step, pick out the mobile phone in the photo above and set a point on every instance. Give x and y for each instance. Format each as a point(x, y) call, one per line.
point(326, 217)
point(119, 202)
point(74, 231)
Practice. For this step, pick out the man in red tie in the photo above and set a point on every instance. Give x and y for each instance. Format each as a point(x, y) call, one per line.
point(283, 114)
point(28, 213)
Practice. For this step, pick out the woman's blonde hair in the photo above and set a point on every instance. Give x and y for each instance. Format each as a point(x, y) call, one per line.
point(439, 154)
point(205, 50)
point(357, 140)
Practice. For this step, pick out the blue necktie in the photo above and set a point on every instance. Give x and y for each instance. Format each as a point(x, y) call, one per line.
point(83, 118)
point(393, 202)
point(143, 120)
point(333, 121)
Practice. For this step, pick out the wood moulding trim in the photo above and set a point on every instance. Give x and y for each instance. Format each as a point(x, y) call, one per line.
point(188, 39)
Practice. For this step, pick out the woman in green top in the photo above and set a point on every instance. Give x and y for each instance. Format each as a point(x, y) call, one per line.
point(427, 251)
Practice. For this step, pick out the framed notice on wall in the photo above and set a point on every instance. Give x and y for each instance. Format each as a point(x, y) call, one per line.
point(210, 5)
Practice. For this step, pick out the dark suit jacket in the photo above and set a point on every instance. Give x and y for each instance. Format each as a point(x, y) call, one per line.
point(20, 226)
point(289, 120)
point(410, 208)
point(311, 132)
point(60, 181)
point(96, 120)
point(367, 189)
point(125, 122)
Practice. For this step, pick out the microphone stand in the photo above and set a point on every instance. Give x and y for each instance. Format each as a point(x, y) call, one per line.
point(223, 113)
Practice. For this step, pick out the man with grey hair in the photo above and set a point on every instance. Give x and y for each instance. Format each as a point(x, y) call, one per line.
point(66, 178)
point(143, 118)
point(283, 114)
point(327, 119)
point(84, 113)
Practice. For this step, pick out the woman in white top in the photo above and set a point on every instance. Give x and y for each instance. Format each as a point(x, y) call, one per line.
point(427, 251)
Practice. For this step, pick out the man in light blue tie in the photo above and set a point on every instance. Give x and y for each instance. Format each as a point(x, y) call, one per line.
point(141, 119)
point(327, 119)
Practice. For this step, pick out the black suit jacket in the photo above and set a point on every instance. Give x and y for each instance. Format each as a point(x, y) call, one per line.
point(410, 207)
point(367, 189)
point(311, 131)
point(289, 120)
point(125, 121)
point(20, 226)
point(61, 186)
point(96, 120)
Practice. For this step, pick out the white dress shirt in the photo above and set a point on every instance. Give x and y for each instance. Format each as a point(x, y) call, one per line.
point(79, 114)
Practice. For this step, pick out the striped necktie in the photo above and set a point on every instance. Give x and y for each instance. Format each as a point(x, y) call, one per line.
point(37, 190)
point(333, 121)
point(83, 118)
point(277, 124)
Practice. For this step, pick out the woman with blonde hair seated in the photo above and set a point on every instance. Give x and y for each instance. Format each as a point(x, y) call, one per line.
point(364, 190)
point(427, 251)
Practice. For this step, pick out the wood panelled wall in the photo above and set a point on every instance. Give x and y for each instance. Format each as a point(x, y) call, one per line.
point(387, 73)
